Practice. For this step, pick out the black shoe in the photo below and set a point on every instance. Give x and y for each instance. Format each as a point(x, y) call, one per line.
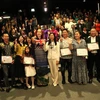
point(90, 81)
point(63, 82)
point(70, 81)
point(21, 86)
point(2, 90)
point(98, 80)
point(14, 86)
point(8, 90)
point(25, 87)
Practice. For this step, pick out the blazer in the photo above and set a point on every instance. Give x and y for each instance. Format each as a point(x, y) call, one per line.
point(88, 40)
point(53, 53)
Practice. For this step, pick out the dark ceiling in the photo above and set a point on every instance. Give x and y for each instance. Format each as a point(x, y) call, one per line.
point(14, 5)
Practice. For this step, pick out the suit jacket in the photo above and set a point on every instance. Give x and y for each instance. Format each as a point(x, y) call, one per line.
point(88, 40)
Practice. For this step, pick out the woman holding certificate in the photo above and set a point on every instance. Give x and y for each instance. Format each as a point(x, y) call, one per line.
point(79, 66)
point(53, 57)
point(19, 50)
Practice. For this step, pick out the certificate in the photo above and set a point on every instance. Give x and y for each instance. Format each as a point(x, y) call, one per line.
point(41, 41)
point(6, 59)
point(65, 52)
point(28, 60)
point(93, 46)
point(82, 52)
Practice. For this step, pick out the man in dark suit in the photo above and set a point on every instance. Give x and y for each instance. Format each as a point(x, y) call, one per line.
point(79, 26)
point(94, 55)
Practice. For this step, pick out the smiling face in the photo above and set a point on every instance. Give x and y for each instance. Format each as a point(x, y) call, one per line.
point(65, 34)
point(93, 32)
point(28, 40)
point(5, 37)
point(51, 36)
point(77, 35)
point(27, 50)
point(39, 32)
point(21, 39)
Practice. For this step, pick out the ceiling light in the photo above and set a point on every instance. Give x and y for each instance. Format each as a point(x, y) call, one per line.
point(32, 10)
point(20, 10)
point(6, 17)
point(45, 9)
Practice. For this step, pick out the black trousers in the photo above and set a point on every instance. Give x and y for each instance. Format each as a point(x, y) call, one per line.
point(93, 59)
point(66, 64)
point(1, 76)
point(8, 69)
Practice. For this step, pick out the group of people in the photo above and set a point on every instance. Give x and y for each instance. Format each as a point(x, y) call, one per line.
point(50, 46)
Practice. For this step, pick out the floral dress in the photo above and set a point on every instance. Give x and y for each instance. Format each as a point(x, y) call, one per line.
point(79, 65)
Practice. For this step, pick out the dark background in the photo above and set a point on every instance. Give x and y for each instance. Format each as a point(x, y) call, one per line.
point(11, 7)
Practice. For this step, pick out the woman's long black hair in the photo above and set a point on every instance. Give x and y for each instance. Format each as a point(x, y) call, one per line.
point(28, 54)
point(49, 42)
point(19, 41)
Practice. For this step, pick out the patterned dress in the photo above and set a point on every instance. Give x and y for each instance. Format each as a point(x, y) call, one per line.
point(79, 66)
point(41, 59)
point(41, 65)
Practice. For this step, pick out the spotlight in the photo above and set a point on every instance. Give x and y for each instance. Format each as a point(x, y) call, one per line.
point(32, 10)
point(20, 10)
point(6, 17)
point(57, 7)
point(4, 12)
point(0, 18)
point(84, 0)
point(45, 9)
point(44, 3)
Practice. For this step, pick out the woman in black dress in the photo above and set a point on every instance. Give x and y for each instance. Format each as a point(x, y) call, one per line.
point(19, 50)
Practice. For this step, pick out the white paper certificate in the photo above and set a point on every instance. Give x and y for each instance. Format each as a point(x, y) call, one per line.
point(82, 52)
point(65, 52)
point(28, 60)
point(6, 59)
point(93, 46)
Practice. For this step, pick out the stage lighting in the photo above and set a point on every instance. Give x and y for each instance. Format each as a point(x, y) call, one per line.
point(20, 10)
point(44, 3)
point(57, 7)
point(32, 10)
point(45, 9)
point(84, 0)
point(4, 12)
point(0, 18)
point(6, 17)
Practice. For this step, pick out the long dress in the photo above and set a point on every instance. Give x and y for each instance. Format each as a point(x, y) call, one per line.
point(41, 65)
point(79, 65)
point(19, 66)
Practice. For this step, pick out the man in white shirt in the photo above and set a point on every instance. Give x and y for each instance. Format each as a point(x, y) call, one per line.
point(68, 25)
